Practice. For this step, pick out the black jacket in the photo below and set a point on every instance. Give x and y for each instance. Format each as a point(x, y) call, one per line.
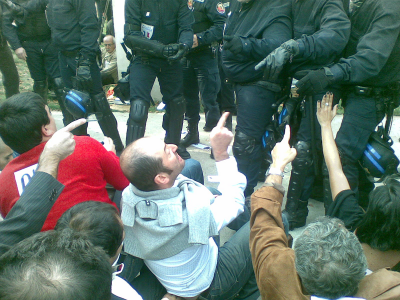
point(32, 27)
point(74, 25)
point(209, 16)
point(322, 29)
point(166, 21)
point(372, 56)
point(263, 26)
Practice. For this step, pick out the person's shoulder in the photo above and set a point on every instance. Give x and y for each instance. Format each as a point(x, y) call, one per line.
point(383, 283)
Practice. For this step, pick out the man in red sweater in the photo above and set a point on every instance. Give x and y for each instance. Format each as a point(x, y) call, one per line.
point(26, 124)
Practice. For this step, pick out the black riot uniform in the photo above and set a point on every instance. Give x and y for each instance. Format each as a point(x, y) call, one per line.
point(75, 30)
point(33, 34)
point(254, 29)
point(200, 70)
point(369, 74)
point(160, 33)
point(321, 29)
point(7, 66)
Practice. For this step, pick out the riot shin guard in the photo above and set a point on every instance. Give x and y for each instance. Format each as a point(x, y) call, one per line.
point(40, 87)
point(296, 210)
point(137, 120)
point(107, 120)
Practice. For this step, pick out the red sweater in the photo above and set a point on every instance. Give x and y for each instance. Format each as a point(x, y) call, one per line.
point(84, 173)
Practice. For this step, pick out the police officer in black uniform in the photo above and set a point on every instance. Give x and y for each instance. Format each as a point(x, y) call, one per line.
point(200, 70)
point(369, 74)
point(30, 38)
point(321, 31)
point(75, 30)
point(7, 66)
point(253, 29)
point(160, 34)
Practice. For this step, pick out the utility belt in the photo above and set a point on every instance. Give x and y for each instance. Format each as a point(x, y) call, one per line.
point(376, 92)
point(73, 53)
point(264, 84)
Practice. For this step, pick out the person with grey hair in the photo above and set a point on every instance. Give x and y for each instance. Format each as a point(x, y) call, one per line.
point(327, 260)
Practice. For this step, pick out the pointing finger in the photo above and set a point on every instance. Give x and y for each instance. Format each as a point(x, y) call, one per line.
point(71, 126)
point(286, 137)
point(222, 120)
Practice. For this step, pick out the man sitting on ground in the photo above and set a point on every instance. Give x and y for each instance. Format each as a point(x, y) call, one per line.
point(26, 124)
point(170, 220)
point(109, 71)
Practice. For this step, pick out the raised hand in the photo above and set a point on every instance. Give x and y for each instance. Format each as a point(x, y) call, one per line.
point(325, 113)
point(220, 139)
point(58, 147)
point(282, 154)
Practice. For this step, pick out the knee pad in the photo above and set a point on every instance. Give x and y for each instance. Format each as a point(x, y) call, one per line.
point(243, 144)
point(304, 157)
point(139, 110)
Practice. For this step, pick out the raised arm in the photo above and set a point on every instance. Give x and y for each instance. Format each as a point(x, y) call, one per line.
point(325, 115)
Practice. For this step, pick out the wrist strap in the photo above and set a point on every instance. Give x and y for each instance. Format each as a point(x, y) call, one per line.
point(275, 171)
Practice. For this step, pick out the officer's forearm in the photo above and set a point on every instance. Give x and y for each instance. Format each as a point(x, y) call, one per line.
point(140, 43)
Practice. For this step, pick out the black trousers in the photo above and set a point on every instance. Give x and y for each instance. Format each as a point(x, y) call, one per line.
point(8, 69)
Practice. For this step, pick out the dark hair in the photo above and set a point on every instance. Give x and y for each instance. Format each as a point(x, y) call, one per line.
point(21, 119)
point(380, 227)
point(60, 265)
point(98, 221)
point(140, 168)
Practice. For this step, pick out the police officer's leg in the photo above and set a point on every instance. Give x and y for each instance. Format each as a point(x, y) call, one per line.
point(171, 84)
point(359, 121)
point(226, 95)
point(36, 66)
point(141, 81)
point(8, 69)
point(191, 95)
point(107, 121)
point(52, 67)
point(209, 84)
point(67, 66)
point(254, 113)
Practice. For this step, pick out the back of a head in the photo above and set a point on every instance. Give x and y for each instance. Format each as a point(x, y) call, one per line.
point(21, 119)
point(99, 222)
point(141, 168)
point(52, 265)
point(380, 227)
point(329, 259)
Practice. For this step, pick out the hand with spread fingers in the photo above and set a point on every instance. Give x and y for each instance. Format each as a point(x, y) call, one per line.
point(325, 112)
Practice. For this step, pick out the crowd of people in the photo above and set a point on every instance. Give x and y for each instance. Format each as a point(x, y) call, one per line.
point(91, 220)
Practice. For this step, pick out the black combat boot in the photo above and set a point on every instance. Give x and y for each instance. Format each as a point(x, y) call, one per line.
point(192, 136)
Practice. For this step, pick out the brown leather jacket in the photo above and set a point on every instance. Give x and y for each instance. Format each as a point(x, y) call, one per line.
point(274, 261)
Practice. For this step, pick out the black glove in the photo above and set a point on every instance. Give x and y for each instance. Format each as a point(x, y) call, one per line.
point(233, 43)
point(276, 60)
point(15, 9)
point(313, 81)
point(183, 50)
point(83, 77)
point(170, 50)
